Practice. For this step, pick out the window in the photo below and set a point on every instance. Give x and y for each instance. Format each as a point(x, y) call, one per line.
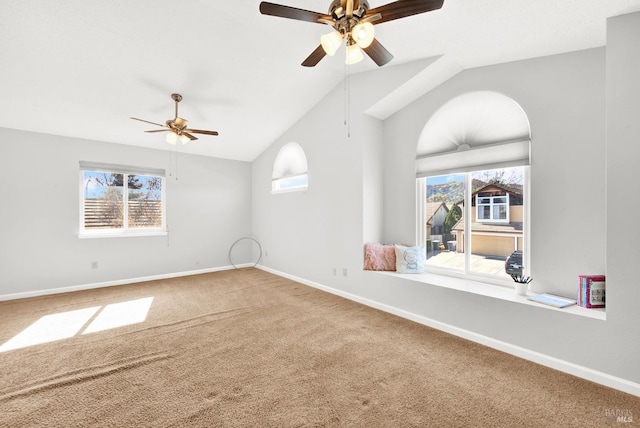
point(492, 208)
point(495, 228)
point(298, 182)
point(290, 169)
point(472, 164)
point(119, 200)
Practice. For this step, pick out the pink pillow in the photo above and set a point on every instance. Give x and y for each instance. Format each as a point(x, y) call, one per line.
point(379, 257)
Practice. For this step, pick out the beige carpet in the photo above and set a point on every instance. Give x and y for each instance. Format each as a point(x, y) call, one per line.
point(247, 348)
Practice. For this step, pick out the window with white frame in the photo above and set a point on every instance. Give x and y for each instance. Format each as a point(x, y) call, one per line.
point(480, 245)
point(290, 169)
point(117, 200)
point(472, 158)
point(492, 208)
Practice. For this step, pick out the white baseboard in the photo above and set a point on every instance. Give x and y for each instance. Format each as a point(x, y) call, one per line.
point(59, 290)
point(527, 354)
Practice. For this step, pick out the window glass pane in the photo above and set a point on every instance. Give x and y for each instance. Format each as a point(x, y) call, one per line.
point(298, 182)
point(144, 201)
point(103, 200)
point(484, 212)
point(498, 230)
point(444, 221)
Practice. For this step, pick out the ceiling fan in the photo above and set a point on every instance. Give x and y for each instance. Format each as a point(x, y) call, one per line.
point(177, 127)
point(352, 21)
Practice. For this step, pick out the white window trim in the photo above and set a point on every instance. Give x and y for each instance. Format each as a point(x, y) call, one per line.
point(121, 234)
point(125, 231)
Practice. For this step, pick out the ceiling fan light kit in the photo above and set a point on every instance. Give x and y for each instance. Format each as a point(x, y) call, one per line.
point(352, 21)
point(354, 54)
point(363, 34)
point(173, 138)
point(177, 127)
point(331, 42)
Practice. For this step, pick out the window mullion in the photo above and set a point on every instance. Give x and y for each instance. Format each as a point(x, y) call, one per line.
point(420, 219)
point(125, 202)
point(468, 211)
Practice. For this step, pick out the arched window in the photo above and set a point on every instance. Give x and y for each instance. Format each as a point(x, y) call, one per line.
point(474, 129)
point(472, 163)
point(290, 169)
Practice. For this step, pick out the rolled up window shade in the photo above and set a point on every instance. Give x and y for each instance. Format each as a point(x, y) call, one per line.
point(488, 156)
point(290, 162)
point(474, 131)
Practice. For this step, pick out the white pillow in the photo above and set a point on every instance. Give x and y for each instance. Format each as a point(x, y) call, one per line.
point(410, 259)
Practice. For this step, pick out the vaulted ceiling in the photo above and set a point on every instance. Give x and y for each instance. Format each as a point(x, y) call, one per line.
point(81, 68)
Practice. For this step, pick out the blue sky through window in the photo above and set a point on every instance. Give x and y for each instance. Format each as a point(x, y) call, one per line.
point(96, 184)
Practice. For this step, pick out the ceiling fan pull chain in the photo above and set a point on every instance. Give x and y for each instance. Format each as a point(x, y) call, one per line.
point(176, 158)
point(347, 101)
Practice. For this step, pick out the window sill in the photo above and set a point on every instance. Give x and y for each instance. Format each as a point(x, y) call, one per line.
point(492, 291)
point(290, 190)
point(92, 235)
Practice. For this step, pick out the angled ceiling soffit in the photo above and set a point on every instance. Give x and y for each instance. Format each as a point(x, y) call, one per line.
point(431, 74)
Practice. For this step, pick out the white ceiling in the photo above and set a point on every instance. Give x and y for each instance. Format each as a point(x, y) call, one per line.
point(81, 68)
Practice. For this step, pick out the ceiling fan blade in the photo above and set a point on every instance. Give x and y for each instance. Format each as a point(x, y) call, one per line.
point(371, 18)
point(191, 137)
point(282, 11)
point(201, 131)
point(315, 57)
point(378, 53)
point(403, 8)
point(159, 130)
point(146, 121)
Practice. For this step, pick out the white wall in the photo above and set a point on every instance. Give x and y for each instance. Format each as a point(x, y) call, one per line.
point(208, 208)
point(566, 100)
point(623, 157)
point(311, 233)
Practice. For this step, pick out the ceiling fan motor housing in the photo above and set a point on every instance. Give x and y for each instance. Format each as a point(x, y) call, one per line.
point(342, 23)
point(177, 124)
point(337, 8)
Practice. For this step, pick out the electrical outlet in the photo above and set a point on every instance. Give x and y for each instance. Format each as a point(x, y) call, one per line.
point(344, 271)
point(94, 265)
point(334, 271)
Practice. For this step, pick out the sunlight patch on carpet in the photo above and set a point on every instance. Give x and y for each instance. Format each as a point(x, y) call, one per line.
point(52, 327)
point(120, 314)
point(65, 325)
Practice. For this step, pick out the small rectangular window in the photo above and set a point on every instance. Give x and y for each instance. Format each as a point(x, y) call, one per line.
point(117, 201)
point(492, 209)
point(288, 184)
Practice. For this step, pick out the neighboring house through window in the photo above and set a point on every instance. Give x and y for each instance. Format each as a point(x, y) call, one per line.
point(436, 212)
point(497, 234)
